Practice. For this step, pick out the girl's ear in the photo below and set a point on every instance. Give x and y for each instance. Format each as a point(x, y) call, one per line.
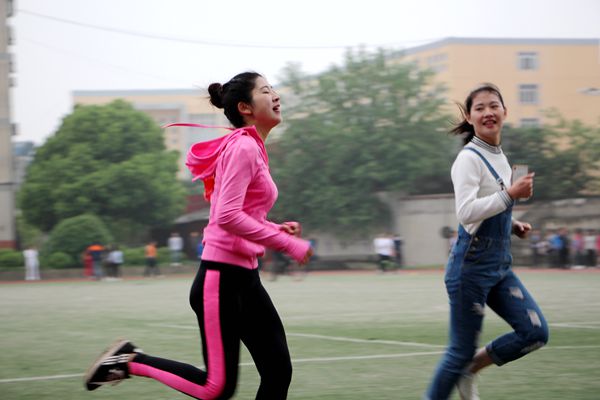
point(244, 108)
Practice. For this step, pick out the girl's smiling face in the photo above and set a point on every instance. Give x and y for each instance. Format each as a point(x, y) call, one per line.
point(265, 109)
point(487, 115)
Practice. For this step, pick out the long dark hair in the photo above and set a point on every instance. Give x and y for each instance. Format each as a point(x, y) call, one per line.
point(463, 127)
point(228, 96)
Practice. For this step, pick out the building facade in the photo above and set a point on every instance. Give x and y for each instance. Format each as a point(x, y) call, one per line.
point(534, 75)
point(7, 186)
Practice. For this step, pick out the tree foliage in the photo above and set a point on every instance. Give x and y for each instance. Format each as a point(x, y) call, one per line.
point(369, 126)
point(109, 161)
point(73, 235)
point(565, 156)
point(375, 124)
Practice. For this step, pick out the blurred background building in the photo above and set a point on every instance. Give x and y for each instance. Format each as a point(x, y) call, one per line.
point(7, 130)
point(534, 75)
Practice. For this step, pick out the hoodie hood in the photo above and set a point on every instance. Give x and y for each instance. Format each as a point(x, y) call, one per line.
point(203, 156)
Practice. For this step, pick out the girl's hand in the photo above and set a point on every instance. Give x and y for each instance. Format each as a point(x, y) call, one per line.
point(522, 188)
point(293, 228)
point(307, 256)
point(521, 229)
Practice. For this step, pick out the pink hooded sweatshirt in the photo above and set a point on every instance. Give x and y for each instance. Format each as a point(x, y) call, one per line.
point(235, 171)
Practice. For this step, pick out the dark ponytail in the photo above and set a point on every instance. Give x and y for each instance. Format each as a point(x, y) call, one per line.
point(463, 127)
point(228, 96)
point(215, 90)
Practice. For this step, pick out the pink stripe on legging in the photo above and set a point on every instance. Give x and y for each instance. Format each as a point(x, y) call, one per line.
point(215, 379)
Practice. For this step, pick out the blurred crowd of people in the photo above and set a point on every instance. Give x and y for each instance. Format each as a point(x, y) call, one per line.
point(104, 262)
point(561, 248)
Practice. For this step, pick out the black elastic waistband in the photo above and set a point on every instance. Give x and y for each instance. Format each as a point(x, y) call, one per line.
point(226, 267)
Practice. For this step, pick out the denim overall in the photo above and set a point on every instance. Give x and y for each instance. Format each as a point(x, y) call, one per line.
point(478, 273)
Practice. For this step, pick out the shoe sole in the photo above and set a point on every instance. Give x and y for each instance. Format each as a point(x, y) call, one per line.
point(117, 344)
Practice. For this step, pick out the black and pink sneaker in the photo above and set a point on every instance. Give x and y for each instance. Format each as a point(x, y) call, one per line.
point(111, 365)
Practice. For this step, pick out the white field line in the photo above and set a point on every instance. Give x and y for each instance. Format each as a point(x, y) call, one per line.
point(575, 325)
point(40, 378)
point(296, 361)
point(326, 359)
point(325, 337)
point(375, 341)
point(302, 360)
point(320, 317)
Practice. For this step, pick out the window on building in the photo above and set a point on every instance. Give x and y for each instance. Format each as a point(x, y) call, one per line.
point(528, 94)
point(530, 123)
point(528, 60)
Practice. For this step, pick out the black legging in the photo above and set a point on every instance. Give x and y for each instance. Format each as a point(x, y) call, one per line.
point(231, 304)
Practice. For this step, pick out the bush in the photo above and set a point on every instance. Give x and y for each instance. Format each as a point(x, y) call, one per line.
point(134, 256)
point(59, 260)
point(11, 258)
point(163, 255)
point(73, 235)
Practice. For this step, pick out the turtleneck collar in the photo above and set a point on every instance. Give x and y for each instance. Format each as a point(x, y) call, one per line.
point(486, 146)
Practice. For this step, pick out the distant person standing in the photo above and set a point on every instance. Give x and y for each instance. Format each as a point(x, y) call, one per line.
point(96, 251)
point(115, 260)
point(479, 271)
point(175, 245)
point(32, 264)
point(578, 247)
point(398, 242)
point(535, 245)
point(192, 249)
point(151, 260)
point(564, 253)
point(384, 248)
point(589, 246)
point(555, 246)
point(88, 264)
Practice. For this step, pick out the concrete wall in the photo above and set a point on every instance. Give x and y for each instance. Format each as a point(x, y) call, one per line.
point(418, 219)
point(421, 219)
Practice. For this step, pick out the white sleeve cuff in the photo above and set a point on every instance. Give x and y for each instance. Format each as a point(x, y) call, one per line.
point(508, 201)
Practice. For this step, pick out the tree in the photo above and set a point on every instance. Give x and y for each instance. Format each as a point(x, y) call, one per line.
point(565, 155)
point(106, 160)
point(368, 126)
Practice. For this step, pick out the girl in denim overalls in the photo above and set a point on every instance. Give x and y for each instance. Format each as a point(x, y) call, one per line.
point(479, 268)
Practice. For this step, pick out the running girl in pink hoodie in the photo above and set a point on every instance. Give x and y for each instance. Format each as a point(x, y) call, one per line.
point(227, 295)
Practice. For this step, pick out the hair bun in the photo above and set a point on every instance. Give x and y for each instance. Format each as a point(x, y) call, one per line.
point(215, 90)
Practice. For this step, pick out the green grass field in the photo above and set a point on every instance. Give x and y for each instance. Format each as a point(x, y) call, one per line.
point(351, 335)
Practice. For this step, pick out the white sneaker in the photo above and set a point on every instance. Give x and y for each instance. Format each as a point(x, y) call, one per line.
point(467, 387)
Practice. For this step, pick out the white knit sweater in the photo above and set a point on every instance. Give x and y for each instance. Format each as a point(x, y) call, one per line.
point(478, 196)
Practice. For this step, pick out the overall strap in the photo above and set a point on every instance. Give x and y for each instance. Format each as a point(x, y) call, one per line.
point(489, 166)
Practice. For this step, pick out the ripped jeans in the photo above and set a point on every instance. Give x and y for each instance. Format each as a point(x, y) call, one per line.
point(478, 273)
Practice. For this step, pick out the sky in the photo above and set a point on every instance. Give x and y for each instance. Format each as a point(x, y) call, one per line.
point(61, 46)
